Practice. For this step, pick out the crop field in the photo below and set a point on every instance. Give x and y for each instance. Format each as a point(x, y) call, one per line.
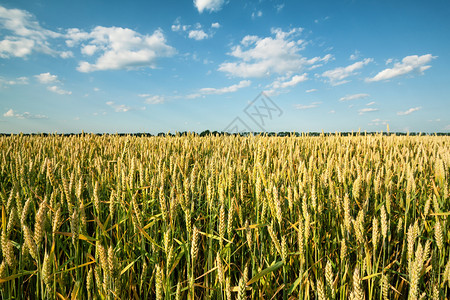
point(225, 217)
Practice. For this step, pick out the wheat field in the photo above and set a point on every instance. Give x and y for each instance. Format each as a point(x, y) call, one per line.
point(225, 217)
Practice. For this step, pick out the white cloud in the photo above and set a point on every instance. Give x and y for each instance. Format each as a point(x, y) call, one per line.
point(18, 47)
point(354, 97)
point(258, 57)
point(25, 35)
point(355, 55)
point(120, 48)
point(74, 36)
point(66, 54)
point(195, 31)
point(118, 108)
point(367, 110)
point(282, 82)
point(122, 107)
point(279, 7)
point(26, 115)
point(219, 91)
point(410, 64)
point(58, 90)
point(18, 81)
point(257, 14)
point(210, 5)
point(9, 113)
point(378, 122)
point(89, 49)
point(311, 90)
point(337, 76)
point(46, 78)
point(198, 35)
point(21, 23)
point(389, 60)
point(153, 99)
point(176, 27)
point(317, 21)
point(307, 106)
point(409, 111)
point(296, 79)
point(228, 89)
point(370, 103)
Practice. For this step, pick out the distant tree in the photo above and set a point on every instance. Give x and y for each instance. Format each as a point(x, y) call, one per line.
point(205, 133)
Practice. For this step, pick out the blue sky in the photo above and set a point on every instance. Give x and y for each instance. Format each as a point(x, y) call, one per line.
point(159, 66)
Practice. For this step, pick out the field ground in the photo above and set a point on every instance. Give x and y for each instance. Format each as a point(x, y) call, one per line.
point(326, 217)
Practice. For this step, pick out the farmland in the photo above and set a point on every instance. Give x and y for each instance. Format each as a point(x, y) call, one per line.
point(225, 217)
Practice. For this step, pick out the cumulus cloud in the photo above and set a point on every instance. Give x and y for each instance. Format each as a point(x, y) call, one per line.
point(118, 107)
point(338, 76)
point(311, 90)
point(263, 56)
point(279, 7)
point(307, 106)
point(89, 49)
point(354, 97)
point(9, 113)
point(66, 54)
point(195, 32)
point(49, 79)
point(18, 81)
point(355, 55)
point(409, 111)
point(367, 110)
point(219, 91)
point(46, 78)
point(176, 27)
point(296, 79)
point(120, 48)
point(153, 99)
point(410, 64)
point(257, 14)
point(285, 82)
point(228, 89)
point(74, 36)
point(378, 122)
point(209, 5)
point(18, 47)
point(122, 107)
point(198, 35)
point(317, 21)
point(58, 90)
point(25, 35)
point(26, 115)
